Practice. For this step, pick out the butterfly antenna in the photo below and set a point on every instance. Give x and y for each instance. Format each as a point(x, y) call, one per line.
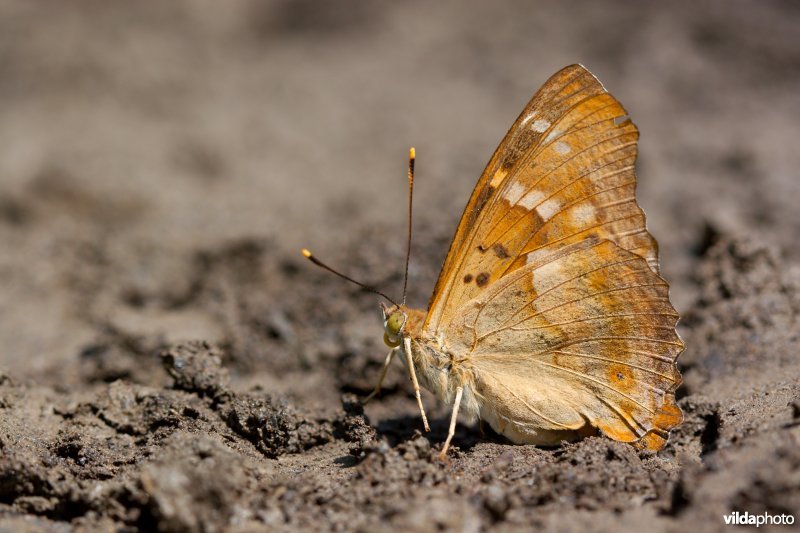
point(311, 257)
point(412, 156)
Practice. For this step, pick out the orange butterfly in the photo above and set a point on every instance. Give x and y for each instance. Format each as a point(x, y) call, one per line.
point(549, 320)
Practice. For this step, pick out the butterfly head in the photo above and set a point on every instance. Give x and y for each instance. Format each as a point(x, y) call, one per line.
point(394, 320)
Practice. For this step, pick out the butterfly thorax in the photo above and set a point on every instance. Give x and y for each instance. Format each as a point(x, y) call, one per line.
point(437, 369)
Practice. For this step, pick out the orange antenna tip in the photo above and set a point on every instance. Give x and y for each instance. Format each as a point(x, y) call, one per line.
point(306, 253)
point(412, 157)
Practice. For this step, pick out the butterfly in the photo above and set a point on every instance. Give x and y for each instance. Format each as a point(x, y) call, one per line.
point(549, 320)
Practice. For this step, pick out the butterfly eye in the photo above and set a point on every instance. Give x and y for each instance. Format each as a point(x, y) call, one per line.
point(395, 324)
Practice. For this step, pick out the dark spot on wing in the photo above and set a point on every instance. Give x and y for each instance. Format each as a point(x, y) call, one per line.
point(500, 251)
point(470, 215)
point(485, 194)
point(482, 279)
point(467, 278)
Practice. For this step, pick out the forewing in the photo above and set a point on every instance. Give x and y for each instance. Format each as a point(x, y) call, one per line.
point(586, 332)
point(563, 173)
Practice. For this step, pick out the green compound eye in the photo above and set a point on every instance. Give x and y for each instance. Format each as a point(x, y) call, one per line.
point(395, 324)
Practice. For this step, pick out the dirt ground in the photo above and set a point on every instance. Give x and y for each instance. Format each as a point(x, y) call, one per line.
point(169, 362)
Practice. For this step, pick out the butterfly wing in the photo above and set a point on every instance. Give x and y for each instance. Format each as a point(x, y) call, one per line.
point(550, 290)
point(584, 334)
point(564, 172)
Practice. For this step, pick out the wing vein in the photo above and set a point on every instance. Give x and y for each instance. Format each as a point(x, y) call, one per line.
point(592, 295)
point(601, 317)
point(598, 382)
point(534, 411)
point(561, 304)
point(543, 177)
point(597, 357)
point(561, 284)
point(637, 214)
point(564, 208)
point(612, 338)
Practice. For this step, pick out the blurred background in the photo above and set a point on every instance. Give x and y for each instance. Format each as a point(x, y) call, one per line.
point(162, 163)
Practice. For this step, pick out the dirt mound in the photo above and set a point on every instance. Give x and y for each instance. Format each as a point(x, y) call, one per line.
point(191, 455)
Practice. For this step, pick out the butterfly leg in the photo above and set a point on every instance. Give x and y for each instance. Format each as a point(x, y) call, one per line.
point(453, 418)
point(412, 373)
point(377, 390)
